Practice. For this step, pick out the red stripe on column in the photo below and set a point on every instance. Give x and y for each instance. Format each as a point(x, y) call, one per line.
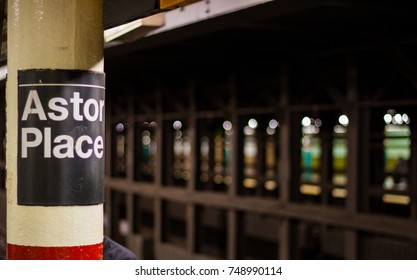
point(86, 252)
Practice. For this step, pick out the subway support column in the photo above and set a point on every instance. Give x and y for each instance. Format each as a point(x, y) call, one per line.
point(55, 130)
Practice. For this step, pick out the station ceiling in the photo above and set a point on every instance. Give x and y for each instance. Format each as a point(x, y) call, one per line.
point(276, 30)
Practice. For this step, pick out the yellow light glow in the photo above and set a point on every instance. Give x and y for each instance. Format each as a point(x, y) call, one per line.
point(310, 189)
point(250, 183)
point(270, 185)
point(396, 199)
point(339, 193)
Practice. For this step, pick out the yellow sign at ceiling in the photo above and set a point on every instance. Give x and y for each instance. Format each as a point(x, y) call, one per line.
point(171, 4)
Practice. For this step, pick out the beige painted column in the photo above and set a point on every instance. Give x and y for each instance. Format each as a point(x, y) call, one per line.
point(50, 34)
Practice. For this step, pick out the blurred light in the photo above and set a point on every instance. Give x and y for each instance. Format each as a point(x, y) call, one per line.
point(153, 124)
point(250, 183)
point(398, 119)
point(270, 185)
point(227, 180)
point(204, 177)
point(218, 168)
point(339, 179)
point(146, 138)
point(204, 166)
point(248, 130)
point(387, 118)
point(388, 183)
point(227, 125)
point(120, 127)
point(124, 227)
point(306, 141)
point(186, 175)
point(178, 147)
point(270, 131)
point(339, 129)
point(339, 193)
point(229, 132)
point(177, 125)
point(178, 134)
point(186, 146)
point(204, 148)
point(145, 124)
point(120, 143)
point(311, 129)
point(317, 122)
point(396, 199)
point(344, 120)
point(218, 179)
point(406, 119)
point(253, 123)
point(308, 189)
point(273, 123)
point(306, 121)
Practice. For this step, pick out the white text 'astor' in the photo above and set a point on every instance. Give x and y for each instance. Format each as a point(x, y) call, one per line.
point(90, 109)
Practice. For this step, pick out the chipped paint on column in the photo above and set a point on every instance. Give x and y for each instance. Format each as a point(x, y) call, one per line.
point(50, 34)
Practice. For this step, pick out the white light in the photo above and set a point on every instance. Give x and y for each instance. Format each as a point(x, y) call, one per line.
point(248, 130)
point(177, 125)
point(253, 123)
point(387, 118)
point(146, 140)
point(227, 125)
point(398, 119)
point(306, 121)
point(317, 122)
point(344, 120)
point(273, 123)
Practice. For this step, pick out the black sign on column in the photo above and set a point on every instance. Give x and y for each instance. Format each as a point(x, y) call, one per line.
point(60, 137)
